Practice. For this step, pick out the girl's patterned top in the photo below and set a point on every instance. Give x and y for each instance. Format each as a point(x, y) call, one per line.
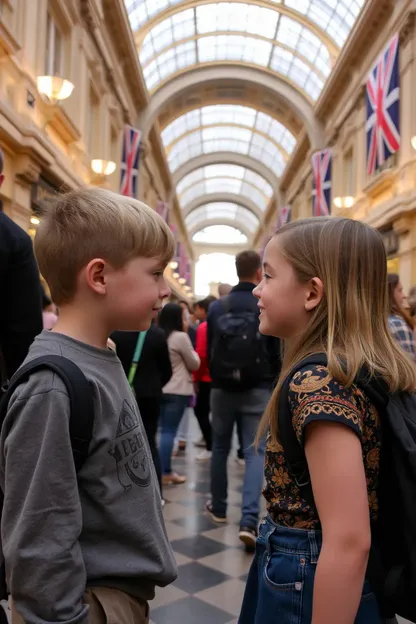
point(315, 395)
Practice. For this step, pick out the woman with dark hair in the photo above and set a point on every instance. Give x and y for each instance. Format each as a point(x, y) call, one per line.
point(400, 322)
point(177, 391)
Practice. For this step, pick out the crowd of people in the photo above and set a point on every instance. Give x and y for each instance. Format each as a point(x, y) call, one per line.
point(290, 358)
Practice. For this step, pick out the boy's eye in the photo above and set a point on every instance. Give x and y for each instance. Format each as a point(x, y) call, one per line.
point(158, 273)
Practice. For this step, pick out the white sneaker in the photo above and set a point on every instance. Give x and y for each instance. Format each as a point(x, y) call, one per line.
point(200, 443)
point(204, 456)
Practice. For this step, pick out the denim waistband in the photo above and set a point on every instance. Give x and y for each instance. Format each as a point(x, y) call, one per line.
point(286, 539)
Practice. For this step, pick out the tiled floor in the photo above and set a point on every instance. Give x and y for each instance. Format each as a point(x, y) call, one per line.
point(212, 562)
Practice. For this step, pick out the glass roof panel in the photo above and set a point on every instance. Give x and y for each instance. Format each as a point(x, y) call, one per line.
point(222, 210)
point(235, 186)
point(220, 234)
point(245, 138)
point(232, 172)
point(226, 139)
point(234, 31)
point(336, 17)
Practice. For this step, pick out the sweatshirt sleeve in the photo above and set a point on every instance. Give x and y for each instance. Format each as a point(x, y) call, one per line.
point(42, 518)
point(187, 352)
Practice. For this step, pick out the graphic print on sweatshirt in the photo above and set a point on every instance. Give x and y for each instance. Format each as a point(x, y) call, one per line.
point(129, 450)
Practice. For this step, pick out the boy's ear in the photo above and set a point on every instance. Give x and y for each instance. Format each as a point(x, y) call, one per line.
point(95, 275)
point(314, 294)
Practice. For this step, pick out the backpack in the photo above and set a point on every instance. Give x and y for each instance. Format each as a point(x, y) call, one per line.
point(239, 357)
point(392, 561)
point(81, 420)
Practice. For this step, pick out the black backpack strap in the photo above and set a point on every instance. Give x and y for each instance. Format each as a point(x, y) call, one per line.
point(294, 452)
point(81, 420)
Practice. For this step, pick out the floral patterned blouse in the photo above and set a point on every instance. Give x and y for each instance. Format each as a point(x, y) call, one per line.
point(315, 395)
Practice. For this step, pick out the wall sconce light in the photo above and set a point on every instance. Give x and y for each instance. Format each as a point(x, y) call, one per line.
point(187, 288)
point(54, 88)
point(103, 167)
point(34, 220)
point(413, 142)
point(176, 275)
point(173, 265)
point(182, 280)
point(344, 202)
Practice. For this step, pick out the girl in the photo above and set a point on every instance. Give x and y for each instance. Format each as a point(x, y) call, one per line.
point(323, 291)
point(400, 321)
point(177, 391)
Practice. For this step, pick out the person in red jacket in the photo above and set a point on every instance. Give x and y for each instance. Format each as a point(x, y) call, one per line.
point(202, 378)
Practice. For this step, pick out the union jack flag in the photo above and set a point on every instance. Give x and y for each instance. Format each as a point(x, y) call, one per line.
point(162, 209)
point(322, 182)
point(383, 107)
point(188, 275)
point(182, 261)
point(284, 217)
point(130, 161)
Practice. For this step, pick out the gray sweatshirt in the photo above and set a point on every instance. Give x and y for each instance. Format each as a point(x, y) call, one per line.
point(60, 534)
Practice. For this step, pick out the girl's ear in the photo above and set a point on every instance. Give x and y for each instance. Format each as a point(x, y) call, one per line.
point(314, 294)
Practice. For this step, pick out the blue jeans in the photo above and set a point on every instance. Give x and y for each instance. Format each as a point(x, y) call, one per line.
point(226, 408)
point(280, 582)
point(173, 407)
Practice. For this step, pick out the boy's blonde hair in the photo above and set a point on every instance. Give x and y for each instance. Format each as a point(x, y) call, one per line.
point(350, 323)
point(96, 223)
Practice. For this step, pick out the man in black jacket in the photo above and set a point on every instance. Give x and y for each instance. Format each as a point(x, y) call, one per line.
point(20, 305)
point(230, 404)
point(153, 372)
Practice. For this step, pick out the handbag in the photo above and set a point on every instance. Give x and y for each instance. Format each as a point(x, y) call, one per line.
point(136, 357)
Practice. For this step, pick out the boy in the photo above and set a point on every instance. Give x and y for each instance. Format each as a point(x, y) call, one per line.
point(92, 549)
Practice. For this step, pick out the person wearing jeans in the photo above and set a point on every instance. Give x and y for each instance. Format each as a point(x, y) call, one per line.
point(179, 389)
point(227, 407)
point(244, 406)
point(173, 408)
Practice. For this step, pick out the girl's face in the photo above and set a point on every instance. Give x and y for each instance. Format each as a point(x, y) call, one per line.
point(399, 296)
point(285, 303)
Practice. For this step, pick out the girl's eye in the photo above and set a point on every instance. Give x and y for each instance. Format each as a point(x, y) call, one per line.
point(265, 276)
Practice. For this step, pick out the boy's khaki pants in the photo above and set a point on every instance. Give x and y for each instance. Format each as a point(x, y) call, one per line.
point(108, 606)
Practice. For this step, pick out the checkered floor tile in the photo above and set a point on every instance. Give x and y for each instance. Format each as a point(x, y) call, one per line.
point(213, 564)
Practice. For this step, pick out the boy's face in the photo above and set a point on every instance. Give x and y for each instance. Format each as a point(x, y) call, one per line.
point(135, 293)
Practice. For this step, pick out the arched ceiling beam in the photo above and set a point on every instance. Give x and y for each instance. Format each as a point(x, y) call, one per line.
point(231, 222)
point(268, 4)
point(225, 126)
point(224, 197)
point(221, 74)
point(226, 158)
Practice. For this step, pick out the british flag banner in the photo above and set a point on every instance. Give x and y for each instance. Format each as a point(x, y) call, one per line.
point(188, 274)
point(183, 259)
point(162, 209)
point(130, 161)
point(383, 107)
point(322, 182)
point(284, 217)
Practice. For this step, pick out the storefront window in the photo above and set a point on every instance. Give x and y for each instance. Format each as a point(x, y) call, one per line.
point(54, 49)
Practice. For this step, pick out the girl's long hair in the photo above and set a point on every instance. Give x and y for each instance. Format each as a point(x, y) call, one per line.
point(350, 323)
point(393, 281)
point(170, 318)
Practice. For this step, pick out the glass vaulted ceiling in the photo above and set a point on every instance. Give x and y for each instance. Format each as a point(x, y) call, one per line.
point(216, 179)
point(222, 211)
point(228, 128)
point(297, 39)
